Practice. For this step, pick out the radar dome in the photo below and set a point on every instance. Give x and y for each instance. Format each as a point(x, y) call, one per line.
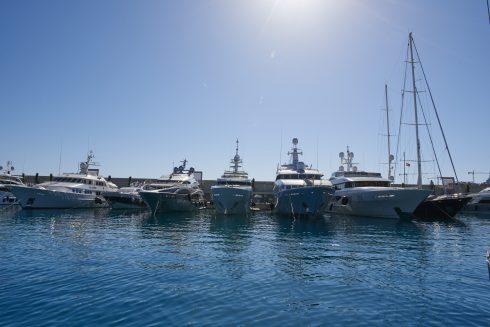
point(295, 141)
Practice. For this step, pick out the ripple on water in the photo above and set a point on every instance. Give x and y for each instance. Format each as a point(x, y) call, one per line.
point(132, 268)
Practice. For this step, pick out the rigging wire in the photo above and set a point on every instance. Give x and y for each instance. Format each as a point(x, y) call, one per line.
point(430, 136)
point(488, 9)
point(435, 110)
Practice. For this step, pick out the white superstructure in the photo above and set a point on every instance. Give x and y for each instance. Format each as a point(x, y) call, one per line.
point(299, 189)
point(180, 191)
point(368, 194)
point(480, 202)
point(68, 191)
point(233, 191)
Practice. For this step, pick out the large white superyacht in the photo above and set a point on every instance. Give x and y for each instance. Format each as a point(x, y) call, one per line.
point(233, 191)
point(180, 191)
point(362, 193)
point(67, 191)
point(299, 190)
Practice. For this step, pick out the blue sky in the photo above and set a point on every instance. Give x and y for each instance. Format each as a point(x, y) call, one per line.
point(146, 84)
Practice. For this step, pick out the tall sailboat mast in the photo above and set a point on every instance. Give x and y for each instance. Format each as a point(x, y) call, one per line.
point(419, 163)
point(390, 156)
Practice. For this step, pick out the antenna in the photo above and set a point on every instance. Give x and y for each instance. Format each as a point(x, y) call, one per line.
point(280, 151)
point(59, 163)
point(317, 152)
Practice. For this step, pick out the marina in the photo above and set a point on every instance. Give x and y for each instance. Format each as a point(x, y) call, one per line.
point(191, 163)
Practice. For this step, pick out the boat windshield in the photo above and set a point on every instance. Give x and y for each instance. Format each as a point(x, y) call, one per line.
point(299, 176)
point(235, 182)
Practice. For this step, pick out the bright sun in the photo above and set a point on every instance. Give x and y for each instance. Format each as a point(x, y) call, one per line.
point(299, 11)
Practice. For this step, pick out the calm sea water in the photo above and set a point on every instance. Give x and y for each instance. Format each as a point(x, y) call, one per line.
point(109, 268)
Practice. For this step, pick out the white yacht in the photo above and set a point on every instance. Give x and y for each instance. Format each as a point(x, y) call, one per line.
point(6, 179)
point(299, 189)
point(68, 191)
point(125, 198)
point(233, 191)
point(368, 194)
point(479, 203)
point(180, 191)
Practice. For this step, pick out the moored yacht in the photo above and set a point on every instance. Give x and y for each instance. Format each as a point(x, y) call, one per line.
point(68, 191)
point(362, 193)
point(233, 191)
point(299, 190)
point(7, 179)
point(180, 191)
point(480, 202)
point(125, 198)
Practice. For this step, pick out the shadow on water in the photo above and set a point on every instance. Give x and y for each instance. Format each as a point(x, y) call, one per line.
point(169, 218)
point(381, 226)
point(453, 221)
point(229, 223)
point(9, 211)
point(305, 226)
point(64, 213)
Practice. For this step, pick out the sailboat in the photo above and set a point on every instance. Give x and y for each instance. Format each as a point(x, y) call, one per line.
point(434, 207)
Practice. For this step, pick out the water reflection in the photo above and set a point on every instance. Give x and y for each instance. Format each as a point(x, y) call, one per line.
point(7, 212)
point(229, 224)
point(304, 226)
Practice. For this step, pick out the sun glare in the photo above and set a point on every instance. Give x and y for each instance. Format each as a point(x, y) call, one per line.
point(299, 13)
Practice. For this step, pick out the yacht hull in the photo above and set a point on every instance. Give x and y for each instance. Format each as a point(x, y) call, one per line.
point(477, 208)
point(441, 207)
point(7, 199)
point(231, 200)
point(160, 202)
point(378, 202)
point(479, 203)
point(37, 198)
point(303, 201)
point(124, 200)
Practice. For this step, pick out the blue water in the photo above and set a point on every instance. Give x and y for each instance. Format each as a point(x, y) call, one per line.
point(108, 268)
